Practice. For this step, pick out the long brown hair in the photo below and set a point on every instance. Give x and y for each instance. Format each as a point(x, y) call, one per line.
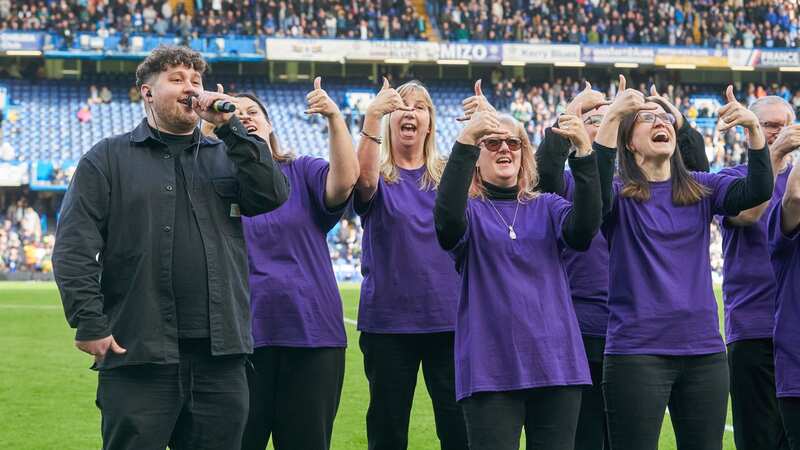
point(528, 176)
point(274, 143)
point(685, 189)
point(434, 162)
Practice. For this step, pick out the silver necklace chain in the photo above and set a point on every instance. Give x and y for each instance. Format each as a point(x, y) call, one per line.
point(511, 233)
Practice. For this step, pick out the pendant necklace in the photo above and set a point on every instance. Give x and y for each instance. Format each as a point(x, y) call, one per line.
point(511, 233)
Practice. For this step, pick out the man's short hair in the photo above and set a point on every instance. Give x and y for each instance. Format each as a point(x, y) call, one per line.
point(165, 56)
point(774, 100)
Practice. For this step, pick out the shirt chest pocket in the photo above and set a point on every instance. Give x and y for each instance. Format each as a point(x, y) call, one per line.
point(227, 210)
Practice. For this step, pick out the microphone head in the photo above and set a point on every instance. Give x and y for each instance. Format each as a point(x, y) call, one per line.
point(223, 106)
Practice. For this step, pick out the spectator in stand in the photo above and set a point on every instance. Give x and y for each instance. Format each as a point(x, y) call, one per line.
point(94, 96)
point(105, 94)
point(84, 114)
point(7, 152)
point(134, 95)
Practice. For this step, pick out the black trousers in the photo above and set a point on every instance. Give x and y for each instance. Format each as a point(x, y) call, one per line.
point(294, 397)
point(549, 416)
point(790, 411)
point(592, 433)
point(391, 363)
point(638, 389)
point(200, 403)
point(756, 419)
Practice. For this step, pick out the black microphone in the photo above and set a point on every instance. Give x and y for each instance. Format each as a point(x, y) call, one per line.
point(221, 106)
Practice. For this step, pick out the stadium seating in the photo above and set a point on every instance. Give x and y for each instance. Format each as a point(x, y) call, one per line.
point(48, 127)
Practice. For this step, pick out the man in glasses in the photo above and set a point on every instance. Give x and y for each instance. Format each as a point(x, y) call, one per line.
point(749, 290)
point(588, 271)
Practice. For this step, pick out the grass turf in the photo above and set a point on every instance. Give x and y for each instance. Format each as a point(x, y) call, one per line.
point(47, 390)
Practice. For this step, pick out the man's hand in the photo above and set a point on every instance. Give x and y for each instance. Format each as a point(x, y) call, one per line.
point(100, 347)
point(202, 105)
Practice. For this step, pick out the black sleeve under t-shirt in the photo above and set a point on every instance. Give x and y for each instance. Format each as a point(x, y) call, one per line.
point(189, 270)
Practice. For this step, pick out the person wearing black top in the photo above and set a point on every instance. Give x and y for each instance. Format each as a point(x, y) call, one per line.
point(588, 271)
point(506, 241)
point(151, 263)
point(663, 345)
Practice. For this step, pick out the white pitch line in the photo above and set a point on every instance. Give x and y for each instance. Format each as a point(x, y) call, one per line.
point(13, 306)
point(350, 321)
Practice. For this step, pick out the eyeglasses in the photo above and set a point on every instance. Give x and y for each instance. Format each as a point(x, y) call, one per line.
point(772, 127)
point(595, 120)
point(493, 144)
point(649, 117)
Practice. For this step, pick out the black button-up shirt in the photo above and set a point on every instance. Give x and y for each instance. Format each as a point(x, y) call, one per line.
point(113, 254)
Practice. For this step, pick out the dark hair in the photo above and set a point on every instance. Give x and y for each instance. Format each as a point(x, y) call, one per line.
point(165, 56)
point(685, 189)
point(274, 144)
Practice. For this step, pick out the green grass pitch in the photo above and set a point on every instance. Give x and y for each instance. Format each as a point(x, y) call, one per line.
point(47, 390)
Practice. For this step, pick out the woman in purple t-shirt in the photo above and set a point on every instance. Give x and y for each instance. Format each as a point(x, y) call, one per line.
point(784, 243)
point(407, 309)
point(520, 360)
point(663, 345)
point(298, 328)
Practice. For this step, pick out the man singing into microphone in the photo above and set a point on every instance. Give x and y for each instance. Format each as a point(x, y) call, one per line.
point(152, 268)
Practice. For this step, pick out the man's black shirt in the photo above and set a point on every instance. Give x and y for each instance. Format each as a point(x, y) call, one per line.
point(116, 237)
point(188, 254)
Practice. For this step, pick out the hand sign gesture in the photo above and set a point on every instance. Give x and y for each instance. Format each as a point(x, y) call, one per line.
point(387, 101)
point(480, 125)
point(570, 126)
point(589, 99)
point(734, 113)
point(319, 102)
point(628, 101)
point(476, 103)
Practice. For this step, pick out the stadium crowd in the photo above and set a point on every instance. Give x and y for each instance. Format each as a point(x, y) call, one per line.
point(707, 23)
point(357, 20)
point(23, 245)
point(538, 105)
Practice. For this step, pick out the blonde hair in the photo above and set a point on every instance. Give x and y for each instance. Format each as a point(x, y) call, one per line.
point(528, 176)
point(434, 162)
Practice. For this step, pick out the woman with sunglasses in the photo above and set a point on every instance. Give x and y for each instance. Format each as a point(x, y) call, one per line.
point(663, 345)
point(519, 356)
point(298, 328)
point(588, 271)
point(407, 309)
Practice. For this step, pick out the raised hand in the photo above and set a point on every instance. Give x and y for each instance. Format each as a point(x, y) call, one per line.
point(627, 101)
point(734, 113)
point(570, 126)
point(480, 125)
point(668, 106)
point(589, 99)
point(387, 101)
point(319, 102)
point(202, 106)
point(787, 141)
point(475, 103)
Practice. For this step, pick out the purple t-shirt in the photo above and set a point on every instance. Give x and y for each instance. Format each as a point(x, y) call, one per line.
point(785, 253)
point(661, 300)
point(588, 278)
point(294, 298)
point(748, 286)
point(410, 284)
point(516, 326)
